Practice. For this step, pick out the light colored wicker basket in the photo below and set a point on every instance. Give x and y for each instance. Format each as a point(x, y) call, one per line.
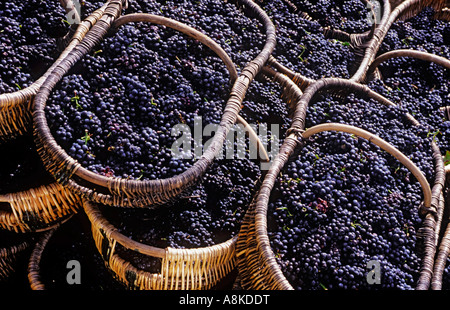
point(141, 193)
point(38, 209)
point(181, 269)
point(16, 107)
point(256, 261)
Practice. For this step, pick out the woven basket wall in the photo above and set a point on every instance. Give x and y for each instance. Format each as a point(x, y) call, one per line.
point(181, 269)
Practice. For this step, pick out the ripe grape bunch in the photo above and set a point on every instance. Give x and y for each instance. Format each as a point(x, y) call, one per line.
point(339, 203)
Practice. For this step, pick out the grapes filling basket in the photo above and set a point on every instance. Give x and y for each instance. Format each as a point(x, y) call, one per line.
point(256, 260)
point(16, 107)
point(181, 269)
point(141, 193)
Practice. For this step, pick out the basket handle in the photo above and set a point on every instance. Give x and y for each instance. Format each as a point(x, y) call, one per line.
point(382, 144)
point(442, 61)
point(5, 198)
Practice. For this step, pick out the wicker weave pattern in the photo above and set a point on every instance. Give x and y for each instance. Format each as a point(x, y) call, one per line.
point(34, 276)
point(38, 208)
point(136, 193)
point(193, 269)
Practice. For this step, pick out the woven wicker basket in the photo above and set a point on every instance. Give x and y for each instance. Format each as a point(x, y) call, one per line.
point(38, 209)
point(16, 107)
point(181, 269)
point(141, 193)
point(255, 259)
point(47, 264)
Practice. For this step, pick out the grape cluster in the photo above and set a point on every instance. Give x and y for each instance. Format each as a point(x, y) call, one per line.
point(305, 48)
point(27, 41)
point(30, 40)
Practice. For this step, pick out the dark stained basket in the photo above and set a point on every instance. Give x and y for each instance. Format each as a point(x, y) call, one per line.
point(47, 264)
point(34, 276)
point(39, 208)
point(141, 193)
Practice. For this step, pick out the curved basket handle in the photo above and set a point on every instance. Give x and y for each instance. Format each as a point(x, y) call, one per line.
point(382, 144)
point(442, 61)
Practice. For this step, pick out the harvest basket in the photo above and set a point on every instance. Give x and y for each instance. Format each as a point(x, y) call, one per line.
point(38, 209)
point(141, 193)
point(16, 108)
point(255, 259)
point(31, 200)
point(181, 269)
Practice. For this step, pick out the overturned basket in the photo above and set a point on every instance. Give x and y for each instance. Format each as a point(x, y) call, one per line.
point(140, 193)
point(255, 259)
point(181, 269)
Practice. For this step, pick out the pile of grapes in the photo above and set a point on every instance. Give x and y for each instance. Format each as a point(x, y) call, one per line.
point(339, 203)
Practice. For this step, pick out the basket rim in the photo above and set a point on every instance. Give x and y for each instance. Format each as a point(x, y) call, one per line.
point(10, 219)
point(95, 215)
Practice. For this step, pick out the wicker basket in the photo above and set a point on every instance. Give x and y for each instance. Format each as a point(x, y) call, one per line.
point(16, 107)
point(140, 193)
point(444, 244)
point(255, 259)
point(38, 209)
point(181, 269)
